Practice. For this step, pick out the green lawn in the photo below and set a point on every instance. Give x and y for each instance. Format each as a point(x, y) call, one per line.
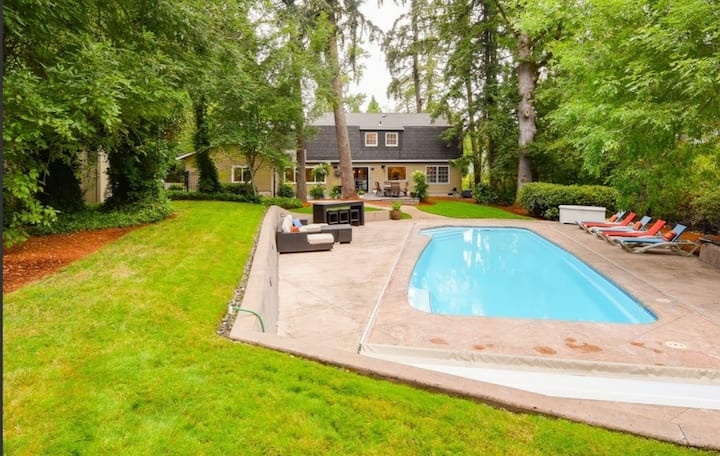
point(460, 209)
point(117, 354)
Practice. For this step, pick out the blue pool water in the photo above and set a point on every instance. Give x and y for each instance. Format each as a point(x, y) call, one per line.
point(513, 272)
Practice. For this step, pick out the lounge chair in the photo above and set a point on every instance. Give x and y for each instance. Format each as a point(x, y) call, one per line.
point(670, 242)
point(638, 226)
point(625, 222)
point(613, 236)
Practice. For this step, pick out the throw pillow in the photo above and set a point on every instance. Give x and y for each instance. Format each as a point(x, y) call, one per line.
point(286, 223)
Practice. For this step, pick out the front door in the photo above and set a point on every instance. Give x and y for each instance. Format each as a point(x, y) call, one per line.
point(361, 176)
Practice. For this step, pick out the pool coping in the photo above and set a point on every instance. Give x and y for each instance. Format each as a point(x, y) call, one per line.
point(564, 338)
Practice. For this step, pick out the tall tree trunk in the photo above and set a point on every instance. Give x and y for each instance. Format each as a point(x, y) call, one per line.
point(343, 141)
point(415, 57)
point(300, 182)
point(527, 77)
point(490, 85)
point(472, 130)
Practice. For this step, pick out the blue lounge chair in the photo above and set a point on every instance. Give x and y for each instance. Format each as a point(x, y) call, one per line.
point(670, 242)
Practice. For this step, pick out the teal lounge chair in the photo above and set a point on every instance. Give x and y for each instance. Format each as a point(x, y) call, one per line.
point(670, 242)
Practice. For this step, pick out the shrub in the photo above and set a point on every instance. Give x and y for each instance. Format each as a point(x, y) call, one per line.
point(283, 202)
point(100, 217)
point(286, 191)
point(539, 197)
point(238, 188)
point(336, 192)
point(178, 187)
point(484, 194)
point(317, 191)
point(421, 185)
point(706, 211)
point(200, 196)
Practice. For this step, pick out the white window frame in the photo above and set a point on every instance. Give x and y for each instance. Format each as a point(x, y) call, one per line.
point(368, 144)
point(437, 174)
point(242, 172)
point(392, 134)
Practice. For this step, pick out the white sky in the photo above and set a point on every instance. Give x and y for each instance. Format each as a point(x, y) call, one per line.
point(376, 78)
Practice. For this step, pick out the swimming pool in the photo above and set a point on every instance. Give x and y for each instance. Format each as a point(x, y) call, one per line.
point(515, 273)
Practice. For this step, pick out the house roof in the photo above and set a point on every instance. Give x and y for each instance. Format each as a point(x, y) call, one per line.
point(382, 121)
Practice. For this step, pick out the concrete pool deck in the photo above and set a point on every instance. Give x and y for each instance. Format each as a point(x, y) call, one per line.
point(332, 302)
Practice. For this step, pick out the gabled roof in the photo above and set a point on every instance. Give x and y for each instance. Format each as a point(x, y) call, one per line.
point(382, 121)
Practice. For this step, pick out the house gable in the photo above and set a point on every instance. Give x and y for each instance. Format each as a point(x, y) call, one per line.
point(418, 138)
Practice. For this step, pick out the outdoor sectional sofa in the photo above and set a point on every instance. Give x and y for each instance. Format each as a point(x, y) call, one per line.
point(297, 236)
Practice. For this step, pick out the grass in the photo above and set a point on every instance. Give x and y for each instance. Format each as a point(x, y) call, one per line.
point(460, 209)
point(117, 353)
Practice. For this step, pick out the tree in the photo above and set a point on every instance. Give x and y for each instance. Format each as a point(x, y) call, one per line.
point(208, 181)
point(412, 54)
point(256, 102)
point(638, 95)
point(85, 76)
point(346, 25)
point(373, 105)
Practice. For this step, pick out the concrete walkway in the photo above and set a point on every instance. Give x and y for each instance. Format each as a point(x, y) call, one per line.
point(327, 300)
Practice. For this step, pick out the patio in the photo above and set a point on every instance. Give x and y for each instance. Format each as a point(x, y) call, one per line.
point(328, 320)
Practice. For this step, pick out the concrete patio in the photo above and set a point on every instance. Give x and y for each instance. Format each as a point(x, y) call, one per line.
point(332, 303)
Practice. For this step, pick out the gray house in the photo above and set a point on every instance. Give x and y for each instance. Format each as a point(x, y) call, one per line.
point(386, 148)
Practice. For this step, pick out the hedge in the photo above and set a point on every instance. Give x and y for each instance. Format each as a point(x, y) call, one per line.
point(542, 199)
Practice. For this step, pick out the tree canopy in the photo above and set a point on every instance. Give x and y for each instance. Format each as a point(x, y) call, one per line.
point(619, 92)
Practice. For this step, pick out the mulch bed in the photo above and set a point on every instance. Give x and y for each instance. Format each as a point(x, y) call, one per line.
point(43, 255)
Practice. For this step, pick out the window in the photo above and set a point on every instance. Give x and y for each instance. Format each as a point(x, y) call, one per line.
point(396, 173)
point(437, 174)
point(241, 174)
point(391, 139)
point(291, 175)
point(371, 139)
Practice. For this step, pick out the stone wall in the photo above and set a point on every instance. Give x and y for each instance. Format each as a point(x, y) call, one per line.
point(710, 253)
point(261, 291)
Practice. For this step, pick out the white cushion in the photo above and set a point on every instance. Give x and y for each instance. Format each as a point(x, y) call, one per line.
point(320, 238)
point(311, 228)
point(287, 223)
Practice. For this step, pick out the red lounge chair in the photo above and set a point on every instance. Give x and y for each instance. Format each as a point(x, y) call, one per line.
point(614, 236)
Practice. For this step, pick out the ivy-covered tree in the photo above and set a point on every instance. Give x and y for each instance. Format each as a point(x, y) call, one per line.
point(208, 181)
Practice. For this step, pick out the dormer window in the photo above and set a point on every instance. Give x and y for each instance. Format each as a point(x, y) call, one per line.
point(371, 139)
point(391, 139)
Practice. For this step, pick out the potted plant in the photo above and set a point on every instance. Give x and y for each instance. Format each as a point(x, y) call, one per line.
point(395, 213)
